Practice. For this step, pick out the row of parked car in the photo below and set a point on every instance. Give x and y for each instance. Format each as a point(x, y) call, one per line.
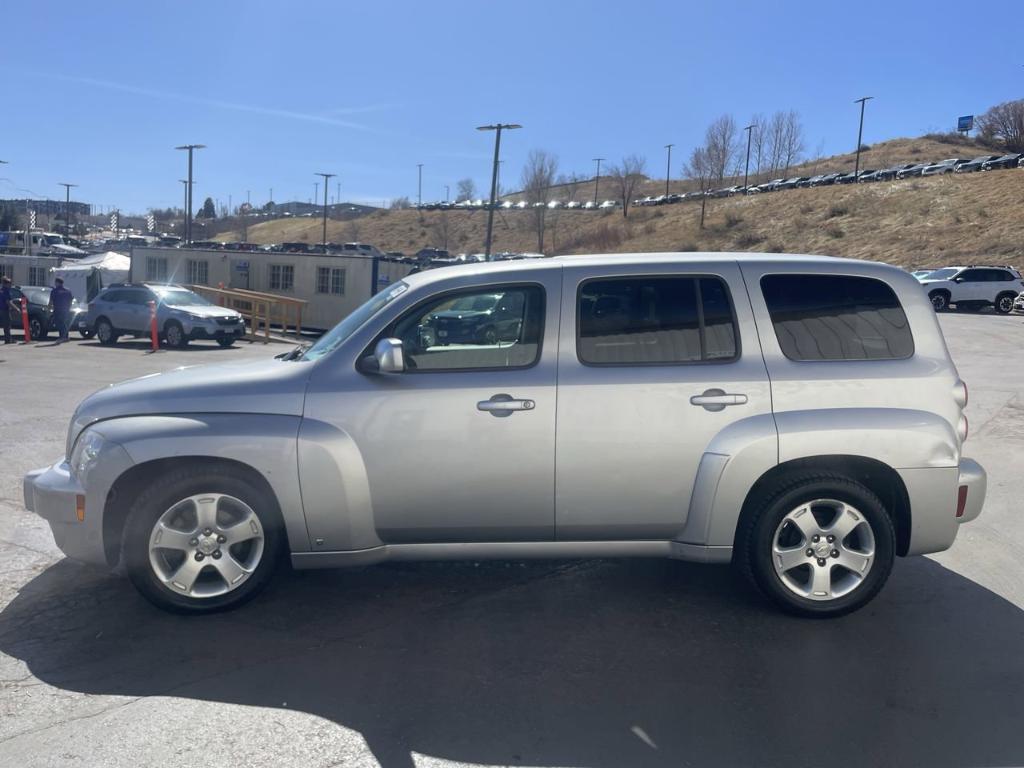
point(520, 205)
point(974, 287)
point(905, 171)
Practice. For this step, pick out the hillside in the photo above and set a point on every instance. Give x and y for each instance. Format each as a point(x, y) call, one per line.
point(975, 217)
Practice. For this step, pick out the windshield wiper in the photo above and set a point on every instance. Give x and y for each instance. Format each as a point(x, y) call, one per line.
point(294, 353)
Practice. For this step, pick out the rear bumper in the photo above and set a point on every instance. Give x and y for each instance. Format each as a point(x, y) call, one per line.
point(973, 477)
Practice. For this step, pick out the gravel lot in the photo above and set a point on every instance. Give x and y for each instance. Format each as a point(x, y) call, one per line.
point(598, 663)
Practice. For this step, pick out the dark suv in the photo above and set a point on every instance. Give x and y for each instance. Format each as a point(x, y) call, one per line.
point(40, 318)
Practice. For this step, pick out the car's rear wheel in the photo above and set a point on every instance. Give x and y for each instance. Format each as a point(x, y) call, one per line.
point(105, 332)
point(175, 335)
point(940, 300)
point(1004, 303)
point(202, 541)
point(36, 329)
point(818, 544)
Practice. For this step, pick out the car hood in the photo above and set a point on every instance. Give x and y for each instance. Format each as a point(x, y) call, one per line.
point(271, 386)
point(203, 310)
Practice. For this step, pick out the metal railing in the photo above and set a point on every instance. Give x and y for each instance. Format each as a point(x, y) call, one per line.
point(258, 309)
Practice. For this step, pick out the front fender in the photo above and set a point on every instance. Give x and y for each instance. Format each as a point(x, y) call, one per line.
point(267, 443)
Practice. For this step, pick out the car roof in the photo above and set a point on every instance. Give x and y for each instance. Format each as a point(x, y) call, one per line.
point(633, 260)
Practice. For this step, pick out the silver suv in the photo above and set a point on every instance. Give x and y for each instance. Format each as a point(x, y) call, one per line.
point(797, 416)
point(181, 315)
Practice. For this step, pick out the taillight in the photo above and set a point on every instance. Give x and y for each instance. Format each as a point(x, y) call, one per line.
point(961, 500)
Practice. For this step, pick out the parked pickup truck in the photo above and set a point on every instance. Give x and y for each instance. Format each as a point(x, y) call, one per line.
point(796, 416)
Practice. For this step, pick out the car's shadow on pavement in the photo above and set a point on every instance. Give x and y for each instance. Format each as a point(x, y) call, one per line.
point(597, 663)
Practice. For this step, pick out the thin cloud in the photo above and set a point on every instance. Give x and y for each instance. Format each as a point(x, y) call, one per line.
point(361, 110)
point(216, 103)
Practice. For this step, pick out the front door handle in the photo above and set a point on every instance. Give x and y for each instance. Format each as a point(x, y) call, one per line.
point(717, 399)
point(504, 405)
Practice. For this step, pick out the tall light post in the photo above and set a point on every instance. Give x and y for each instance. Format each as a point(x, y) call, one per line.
point(497, 128)
point(67, 206)
point(597, 177)
point(447, 191)
point(860, 133)
point(668, 167)
point(326, 177)
point(746, 169)
point(419, 185)
point(186, 185)
point(190, 148)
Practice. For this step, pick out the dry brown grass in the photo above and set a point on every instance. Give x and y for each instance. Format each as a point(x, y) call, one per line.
point(976, 217)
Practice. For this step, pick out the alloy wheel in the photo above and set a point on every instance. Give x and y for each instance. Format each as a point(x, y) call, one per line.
point(823, 550)
point(206, 545)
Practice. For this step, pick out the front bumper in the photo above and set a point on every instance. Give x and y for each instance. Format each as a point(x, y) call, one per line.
point(53, 494)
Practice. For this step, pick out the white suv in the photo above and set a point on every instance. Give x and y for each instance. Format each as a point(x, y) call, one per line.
point(973, 288)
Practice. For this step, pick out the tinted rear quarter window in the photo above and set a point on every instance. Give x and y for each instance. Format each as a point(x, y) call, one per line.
point(657, 320)
point(836, 317)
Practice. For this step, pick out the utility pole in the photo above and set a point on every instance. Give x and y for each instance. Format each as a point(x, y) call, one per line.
point(67, 207)
point(188, 190)
point(597, 177)
point(860, 132)
point(326, 177)
point(668, 169)
point(419, 185)
point(497, 128)
point(185, 183)
point(746, 170)
point(446, 192)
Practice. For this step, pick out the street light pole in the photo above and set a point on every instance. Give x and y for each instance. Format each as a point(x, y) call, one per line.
point(597, 177)
point(326, 177)
point(67, 206)
point(860, 133)
point(497, 128)
point(419, 185)
point(185, 183)
point(188, 190)
point(668, 167)
point(447, 190)
point(746, 170)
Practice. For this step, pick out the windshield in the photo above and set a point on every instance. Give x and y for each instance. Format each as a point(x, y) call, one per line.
point(337, 336)
point(942, 274)
point(182, 299)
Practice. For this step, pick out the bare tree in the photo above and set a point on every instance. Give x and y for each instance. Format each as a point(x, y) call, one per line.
point(441, 229)
point(721, 146)
point(784, 139)
point(758, 144)
point(570, 184)
point(700, 168)
point(465, 190)
point(398, 203)
point(625, 177)
point(1004, 123)
point(537, 177)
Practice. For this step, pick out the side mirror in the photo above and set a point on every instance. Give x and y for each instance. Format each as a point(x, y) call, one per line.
point(387, 357)
point(958, 279)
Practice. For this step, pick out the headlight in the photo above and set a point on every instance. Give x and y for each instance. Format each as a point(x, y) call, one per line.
point(87, 450)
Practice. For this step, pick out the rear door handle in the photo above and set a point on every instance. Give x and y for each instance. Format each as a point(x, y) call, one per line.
point(717, 399)
point(504, 405)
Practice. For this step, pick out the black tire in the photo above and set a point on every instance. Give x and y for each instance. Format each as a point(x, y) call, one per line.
point(105, 332)
point(489, 336)
point(940, 300)
point(755, 539)
point(226, 342)
point(175, 335)
point(1004, 303)
point(163, 494)
point(36, 329)
point(86, 333)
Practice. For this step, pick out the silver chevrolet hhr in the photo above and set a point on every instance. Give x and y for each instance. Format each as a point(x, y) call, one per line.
point(797, 416)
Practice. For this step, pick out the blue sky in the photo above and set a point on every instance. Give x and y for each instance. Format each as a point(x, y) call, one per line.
point(99, 93)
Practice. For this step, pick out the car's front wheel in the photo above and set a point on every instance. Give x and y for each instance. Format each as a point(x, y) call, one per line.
point(818, 544)
point(36, 329)
point(175, 335)
point(940, 300)
point(202, 541)
point(226, 341)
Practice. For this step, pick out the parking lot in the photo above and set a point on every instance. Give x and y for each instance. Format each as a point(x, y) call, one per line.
point(600, 663)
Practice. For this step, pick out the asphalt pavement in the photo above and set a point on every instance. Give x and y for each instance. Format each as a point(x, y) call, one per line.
point(590, 663)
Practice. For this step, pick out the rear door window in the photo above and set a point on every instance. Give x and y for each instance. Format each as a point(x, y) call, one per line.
point(836, 317)
point(656, 320)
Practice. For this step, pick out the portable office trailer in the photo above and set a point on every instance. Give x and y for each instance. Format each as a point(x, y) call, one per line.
point(333, 285)
point(28, 270)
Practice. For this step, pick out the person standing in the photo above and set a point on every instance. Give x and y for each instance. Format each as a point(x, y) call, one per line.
point(60, 306)
point(6, 305)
